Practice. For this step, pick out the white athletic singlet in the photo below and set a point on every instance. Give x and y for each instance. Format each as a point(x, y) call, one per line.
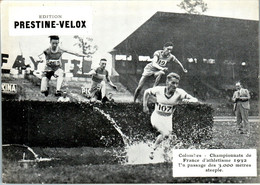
point(165, 105)
point(161, 117)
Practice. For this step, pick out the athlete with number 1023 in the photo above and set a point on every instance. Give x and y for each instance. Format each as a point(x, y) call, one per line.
point(158, 66)
point(166, 98)
point(53, 65)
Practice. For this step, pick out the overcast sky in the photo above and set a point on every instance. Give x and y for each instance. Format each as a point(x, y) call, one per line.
point(113, 21)
point(122, 18)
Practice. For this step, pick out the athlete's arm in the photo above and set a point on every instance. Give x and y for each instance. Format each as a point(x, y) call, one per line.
point(110, 82)
point(155, 64)
point(45, 54)
point(90, 73)
point(73, 53)
point(145, 100)
point(40, 57)
point(187, 98)
point(178, 62)
point(147, 93)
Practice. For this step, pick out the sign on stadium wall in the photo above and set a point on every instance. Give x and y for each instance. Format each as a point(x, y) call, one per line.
point(9, 88)
point(20, 65)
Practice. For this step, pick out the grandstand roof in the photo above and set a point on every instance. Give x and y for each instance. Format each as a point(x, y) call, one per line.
point(194, 36)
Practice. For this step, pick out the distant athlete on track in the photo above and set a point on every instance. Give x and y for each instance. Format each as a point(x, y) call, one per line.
point(98, 84)
point(157, 67)
point(166, 98)
point(53, 65)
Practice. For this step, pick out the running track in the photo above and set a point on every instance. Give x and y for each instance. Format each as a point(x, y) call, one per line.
point(233, 118)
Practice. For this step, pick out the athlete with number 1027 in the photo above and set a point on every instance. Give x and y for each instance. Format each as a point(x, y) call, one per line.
point(158, 66)
point(166, 98)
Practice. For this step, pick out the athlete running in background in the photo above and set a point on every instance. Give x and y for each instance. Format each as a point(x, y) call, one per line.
point(166, 98)
point(157, 67)
point(98, 84)
point(53, 65)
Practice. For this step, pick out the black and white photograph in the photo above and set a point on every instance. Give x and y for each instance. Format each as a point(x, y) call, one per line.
point(106, 92)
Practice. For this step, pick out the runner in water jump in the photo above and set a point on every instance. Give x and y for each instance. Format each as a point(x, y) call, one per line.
point(166, 98)
point(158, 66)
point(53, 65)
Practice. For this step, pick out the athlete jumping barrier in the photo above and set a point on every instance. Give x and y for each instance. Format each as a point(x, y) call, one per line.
point(37, 123)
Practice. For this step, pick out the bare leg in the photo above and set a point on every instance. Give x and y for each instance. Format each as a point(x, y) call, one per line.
point(44, 84)
point(158, 141)
point(59, 73)
point(103, 89)
point(158, 77)
point(139, 87)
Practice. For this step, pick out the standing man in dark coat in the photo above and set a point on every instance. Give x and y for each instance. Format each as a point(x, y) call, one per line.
point(241, 107)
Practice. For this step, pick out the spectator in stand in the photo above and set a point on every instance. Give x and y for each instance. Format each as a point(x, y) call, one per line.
point(241, 107)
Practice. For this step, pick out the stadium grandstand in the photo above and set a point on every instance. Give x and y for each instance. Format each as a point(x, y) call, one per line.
point(216, 51)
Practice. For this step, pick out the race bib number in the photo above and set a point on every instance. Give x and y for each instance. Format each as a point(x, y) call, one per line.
point(163, 108)
point(52, 63)
point(161, 62)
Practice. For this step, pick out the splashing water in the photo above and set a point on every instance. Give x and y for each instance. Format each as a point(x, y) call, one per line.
point(140, 152)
